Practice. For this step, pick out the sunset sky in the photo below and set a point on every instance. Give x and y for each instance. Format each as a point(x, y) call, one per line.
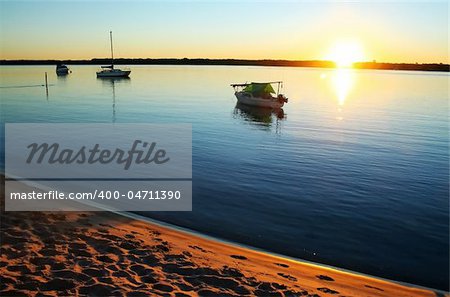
point(296, 30)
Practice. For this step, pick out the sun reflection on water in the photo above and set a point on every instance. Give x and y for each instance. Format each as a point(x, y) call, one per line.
point(343, 81)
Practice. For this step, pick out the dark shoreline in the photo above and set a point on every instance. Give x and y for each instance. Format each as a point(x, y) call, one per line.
point(237, 62)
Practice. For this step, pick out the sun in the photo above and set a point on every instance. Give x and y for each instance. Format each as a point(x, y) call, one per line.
point(345, 53)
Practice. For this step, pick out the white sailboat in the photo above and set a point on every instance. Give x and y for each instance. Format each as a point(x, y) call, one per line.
point(109, 70)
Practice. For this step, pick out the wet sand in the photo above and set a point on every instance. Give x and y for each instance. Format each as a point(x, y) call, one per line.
point(106, 254)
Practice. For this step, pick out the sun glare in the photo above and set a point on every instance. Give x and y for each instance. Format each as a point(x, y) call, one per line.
point(344, 54)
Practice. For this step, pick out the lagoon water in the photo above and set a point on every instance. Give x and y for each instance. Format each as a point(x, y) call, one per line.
point(353, 173)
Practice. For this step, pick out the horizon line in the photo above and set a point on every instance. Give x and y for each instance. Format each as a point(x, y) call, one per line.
point(219, 59)
point(435, 67)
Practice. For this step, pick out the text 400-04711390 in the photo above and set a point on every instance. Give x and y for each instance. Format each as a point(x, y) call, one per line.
point(141, 195)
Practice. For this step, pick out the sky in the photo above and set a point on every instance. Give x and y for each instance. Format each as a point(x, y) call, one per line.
point(385, 31)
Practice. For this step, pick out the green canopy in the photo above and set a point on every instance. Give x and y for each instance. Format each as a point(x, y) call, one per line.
point(259, 88)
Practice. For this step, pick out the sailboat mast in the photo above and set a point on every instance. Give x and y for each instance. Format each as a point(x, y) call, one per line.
point(112, 53)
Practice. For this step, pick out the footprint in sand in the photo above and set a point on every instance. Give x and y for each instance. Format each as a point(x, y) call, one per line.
point(162, 287)
point(238, 257)
point(69, 274)
point(15, 293)
point(198, 248)
point(41, 261)
point(84, 263)
point(57, 284)
point(121, 273)
point(290, 293)
point(106, 225)
point(23, 269)
point(328, 291)
point(138, 294)
point(282, 265)
point(84, 222)
point(48, 252)
point(97, 290)
point(94, 272)
point(150, 260)
point(174, 257)
point(287, 276)
point(371, 287)
point(279, 286)
point(149, 279)
point(325, 278)
point(105, 259)
point(265, 286)
point(141, 270)
point(262, 293)
point(184, 287)
point(105, 280)
point(30, 285)
point(102, 230)
point(161, 248)
point(232, 272)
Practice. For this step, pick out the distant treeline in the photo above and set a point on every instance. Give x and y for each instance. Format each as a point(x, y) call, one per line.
point(403, 66)
point(237, 62)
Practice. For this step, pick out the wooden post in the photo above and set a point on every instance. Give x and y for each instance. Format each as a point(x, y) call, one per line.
point(46, 84)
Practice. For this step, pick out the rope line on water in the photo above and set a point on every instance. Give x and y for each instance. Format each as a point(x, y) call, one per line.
point(29, 86)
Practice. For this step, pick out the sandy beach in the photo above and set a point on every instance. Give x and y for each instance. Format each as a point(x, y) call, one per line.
point(106, 254)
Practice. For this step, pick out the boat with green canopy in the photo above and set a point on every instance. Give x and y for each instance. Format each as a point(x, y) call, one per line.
point(260, 94)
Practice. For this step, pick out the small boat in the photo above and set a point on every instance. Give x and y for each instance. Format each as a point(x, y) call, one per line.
point(62, 69)
point(109, 70)
point(260, 94)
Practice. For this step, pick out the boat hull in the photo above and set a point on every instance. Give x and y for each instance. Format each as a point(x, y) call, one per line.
point(114, 73)
point(248, 99)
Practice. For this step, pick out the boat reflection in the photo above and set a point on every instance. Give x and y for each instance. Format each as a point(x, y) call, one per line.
point(259, 116)
point(106, 79)
point(111, 82)
point(62, 77)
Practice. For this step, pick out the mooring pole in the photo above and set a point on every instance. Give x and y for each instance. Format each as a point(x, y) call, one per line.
point(46, 84)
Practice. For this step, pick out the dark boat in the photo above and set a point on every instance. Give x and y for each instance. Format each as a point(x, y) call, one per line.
point(62, 69)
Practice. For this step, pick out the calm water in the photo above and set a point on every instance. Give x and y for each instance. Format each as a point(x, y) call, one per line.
point(355, 173)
